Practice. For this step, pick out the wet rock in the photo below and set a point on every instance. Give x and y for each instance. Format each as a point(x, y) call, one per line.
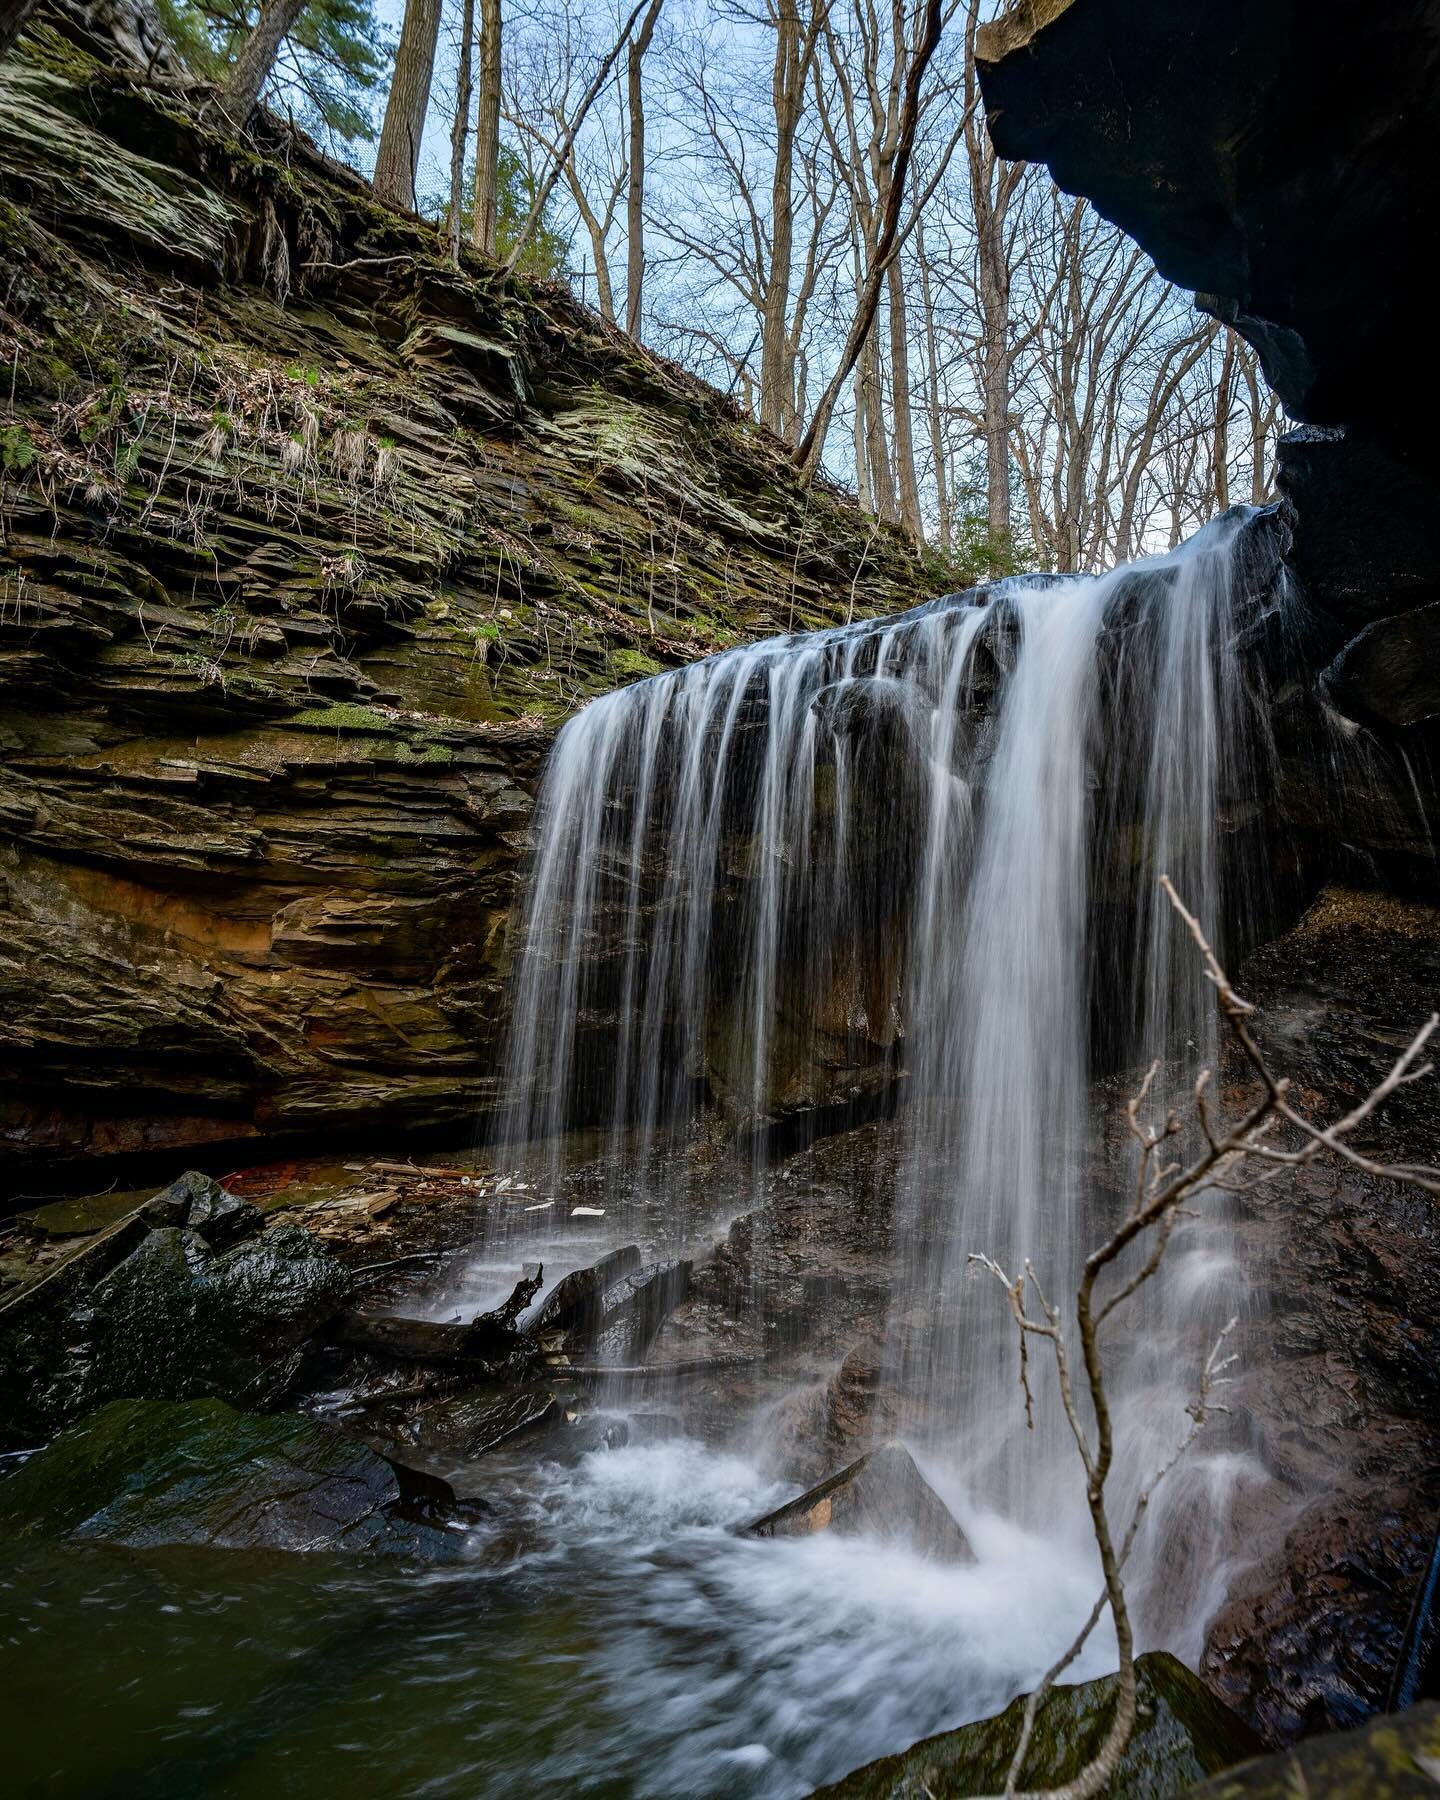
point(1342, 1385)
point(576, 1307)
point(174, 1321)
point(200, 1203)
point(634, 1308)
point(588, 1433)
point(817, 1428)
point(170, 1209)
point(223, 1219)
point(1182, 1735)
point(148, 1474)
point(1385, 1760)
point(1390, 673)
point(469, 1424)
point(881, 1494)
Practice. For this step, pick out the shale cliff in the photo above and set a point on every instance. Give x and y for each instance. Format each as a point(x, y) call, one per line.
point(310, 541)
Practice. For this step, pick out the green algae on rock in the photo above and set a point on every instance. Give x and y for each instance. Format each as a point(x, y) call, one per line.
point(1390, 1758)
point(148, 1474)
point(1183, 1734)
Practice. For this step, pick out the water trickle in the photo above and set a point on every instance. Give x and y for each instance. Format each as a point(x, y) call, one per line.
point(912, 857)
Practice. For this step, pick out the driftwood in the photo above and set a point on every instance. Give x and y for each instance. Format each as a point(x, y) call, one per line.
point(489, 1337)
point(397, 1168)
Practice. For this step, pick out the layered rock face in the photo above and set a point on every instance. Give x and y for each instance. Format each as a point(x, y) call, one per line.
point(1278, 159)
point(309, 542)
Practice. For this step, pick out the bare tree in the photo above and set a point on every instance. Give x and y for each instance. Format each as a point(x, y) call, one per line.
point(1237, 1157)
point(409, 101)
point(461, 128)
point(485, 214)
point(886, 237)
point(635, 195)
point(560, 159)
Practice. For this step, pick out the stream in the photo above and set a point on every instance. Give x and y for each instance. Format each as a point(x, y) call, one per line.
point(635, 1646)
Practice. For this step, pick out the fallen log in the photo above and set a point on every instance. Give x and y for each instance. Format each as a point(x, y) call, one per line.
point(489, 1337)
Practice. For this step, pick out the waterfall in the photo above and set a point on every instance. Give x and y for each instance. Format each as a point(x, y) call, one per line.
point(911, 859)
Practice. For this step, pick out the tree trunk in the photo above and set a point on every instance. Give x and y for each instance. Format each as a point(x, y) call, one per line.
point(932, 394)
point(635, 195)
point(907, 487)
point(862, 438)
point(241, 93)
point(1224, 401)
point(405, 110)
point(877, 451)
point(787, 93)
point(461, 128)
point(995, 314)
point(485, 217)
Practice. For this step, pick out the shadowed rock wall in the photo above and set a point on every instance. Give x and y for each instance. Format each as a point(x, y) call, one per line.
point(1278, 158)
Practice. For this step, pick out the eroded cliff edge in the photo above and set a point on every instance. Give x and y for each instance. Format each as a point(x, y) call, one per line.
point(310, 542)
point(1278, 159)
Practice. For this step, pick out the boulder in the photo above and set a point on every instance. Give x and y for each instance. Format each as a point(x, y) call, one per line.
point(174, 1321)
point(1389, 674)
point(815, 1429)
point(1182, 1735)
point(148, 1474)
point(881, 1494)
point(199, 1203)
point(1392, 1756)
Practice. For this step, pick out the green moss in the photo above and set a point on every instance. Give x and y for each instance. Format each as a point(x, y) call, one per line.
point(1392, 1756)
point(1182, 1734)
point(344, 716)
point(48, 49)
point(632, 665)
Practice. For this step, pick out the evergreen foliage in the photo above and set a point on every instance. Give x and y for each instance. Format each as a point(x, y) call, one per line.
point(327, 71)
point(546, 255)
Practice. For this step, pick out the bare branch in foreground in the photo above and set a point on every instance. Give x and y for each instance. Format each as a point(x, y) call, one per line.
point(1227, 1163)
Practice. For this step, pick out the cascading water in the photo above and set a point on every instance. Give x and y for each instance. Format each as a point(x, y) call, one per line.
point(913, 857)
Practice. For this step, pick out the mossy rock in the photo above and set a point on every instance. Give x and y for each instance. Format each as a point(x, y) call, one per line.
point(634, 665)
point(1182, 1735)
point(147, 1474)
point(344, 716)
point(1390, 1758)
